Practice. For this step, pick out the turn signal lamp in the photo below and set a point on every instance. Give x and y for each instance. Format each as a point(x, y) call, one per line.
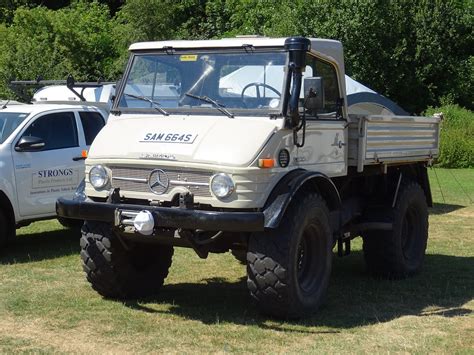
point(84, 153)
point(266, 163)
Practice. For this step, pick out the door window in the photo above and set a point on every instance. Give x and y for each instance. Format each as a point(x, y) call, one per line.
point(57, 130)
point(92, 122)
point(317, 67)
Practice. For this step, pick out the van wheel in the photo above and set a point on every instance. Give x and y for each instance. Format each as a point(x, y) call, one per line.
point(71, 223)
point(288, 268)
point(7, 229)
point(116, 272)
point(400, 252)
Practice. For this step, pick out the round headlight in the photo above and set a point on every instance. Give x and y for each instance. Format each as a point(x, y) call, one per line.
point(222, 185)
point(98, 176)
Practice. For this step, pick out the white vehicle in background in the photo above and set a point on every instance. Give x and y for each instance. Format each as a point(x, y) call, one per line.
point(42, 151)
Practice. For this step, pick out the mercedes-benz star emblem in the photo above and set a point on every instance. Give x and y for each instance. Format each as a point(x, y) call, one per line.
point(158, 181)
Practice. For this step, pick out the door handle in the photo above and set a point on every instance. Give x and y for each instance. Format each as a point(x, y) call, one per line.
point(80, 157)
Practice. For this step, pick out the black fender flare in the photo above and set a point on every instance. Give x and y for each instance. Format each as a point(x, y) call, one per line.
point(283, 193)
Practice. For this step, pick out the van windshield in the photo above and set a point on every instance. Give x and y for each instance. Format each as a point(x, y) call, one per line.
point(178, 82)
point(9, 121)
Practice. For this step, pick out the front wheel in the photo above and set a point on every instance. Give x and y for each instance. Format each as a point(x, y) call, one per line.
point(117, 271)
point(289, 268)
point(7, 229)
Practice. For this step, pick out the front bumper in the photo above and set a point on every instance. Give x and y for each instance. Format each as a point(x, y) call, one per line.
point(164, 217)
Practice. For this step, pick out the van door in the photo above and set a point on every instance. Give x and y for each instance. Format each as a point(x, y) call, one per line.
point(43, 174)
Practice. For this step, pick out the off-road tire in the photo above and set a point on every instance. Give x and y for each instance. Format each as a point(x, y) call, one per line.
point(4, 229)
point(71, 223)
point(399, 253)
point(7, 229)
point(114, 271)
point(288, 268)
point(240, 255)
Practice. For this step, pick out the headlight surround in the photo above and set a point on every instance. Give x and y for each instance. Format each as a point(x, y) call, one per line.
point(222, 185)
point(98, 176)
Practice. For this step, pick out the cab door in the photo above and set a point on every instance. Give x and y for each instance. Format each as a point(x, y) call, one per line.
point(325, 148)
point(45, 172)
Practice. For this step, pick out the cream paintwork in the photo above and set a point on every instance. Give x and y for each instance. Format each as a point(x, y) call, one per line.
point(250, 139)
point(325, 148)
point(231, 146)
point(219, 139)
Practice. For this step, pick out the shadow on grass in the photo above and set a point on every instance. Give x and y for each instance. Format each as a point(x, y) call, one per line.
point(354, 298)
point(39, 246)
point(442, 208)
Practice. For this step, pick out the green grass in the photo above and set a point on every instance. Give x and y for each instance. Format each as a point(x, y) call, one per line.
point(46, 305)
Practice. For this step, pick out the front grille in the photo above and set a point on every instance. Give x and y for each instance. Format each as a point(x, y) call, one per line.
point(139, 179)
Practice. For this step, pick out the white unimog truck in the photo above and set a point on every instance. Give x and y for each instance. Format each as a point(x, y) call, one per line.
point(247, 145)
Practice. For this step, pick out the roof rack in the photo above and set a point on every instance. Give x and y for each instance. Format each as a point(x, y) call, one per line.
point(70, 83)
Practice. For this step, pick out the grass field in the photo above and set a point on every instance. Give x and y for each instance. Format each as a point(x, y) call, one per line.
point(46, 305)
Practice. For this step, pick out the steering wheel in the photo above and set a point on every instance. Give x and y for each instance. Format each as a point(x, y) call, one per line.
point(257, 85)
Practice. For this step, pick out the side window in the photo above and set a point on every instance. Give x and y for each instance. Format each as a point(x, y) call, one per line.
point(331, 88)
point(92, 122)
point(58, 130)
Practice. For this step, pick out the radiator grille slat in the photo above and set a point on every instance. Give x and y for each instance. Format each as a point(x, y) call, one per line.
point(191, 176)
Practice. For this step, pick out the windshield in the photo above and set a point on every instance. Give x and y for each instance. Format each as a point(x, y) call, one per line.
point(213, 81)
point(9, 121)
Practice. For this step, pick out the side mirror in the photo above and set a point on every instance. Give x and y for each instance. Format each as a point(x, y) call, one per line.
point(313, 93)
point(30, 144)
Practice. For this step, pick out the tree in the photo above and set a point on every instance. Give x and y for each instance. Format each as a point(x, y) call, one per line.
point(75, 40)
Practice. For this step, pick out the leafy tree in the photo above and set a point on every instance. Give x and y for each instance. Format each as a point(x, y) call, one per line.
point(75, 40)
point(415, 52)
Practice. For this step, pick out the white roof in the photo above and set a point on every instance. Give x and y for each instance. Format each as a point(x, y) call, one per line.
point(60, 93)
point(34, 109)
point(325, 46)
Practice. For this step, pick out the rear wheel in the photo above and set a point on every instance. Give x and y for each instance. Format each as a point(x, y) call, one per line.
point(288, 268)
point(117, 272)
point(400, 252)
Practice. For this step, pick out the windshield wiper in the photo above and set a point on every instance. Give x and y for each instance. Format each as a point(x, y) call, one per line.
point(156, 104)
point(217, 105)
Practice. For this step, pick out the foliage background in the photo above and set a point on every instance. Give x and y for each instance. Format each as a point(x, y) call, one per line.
point(419, 53)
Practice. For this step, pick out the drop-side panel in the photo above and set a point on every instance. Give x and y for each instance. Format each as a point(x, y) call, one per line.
point(392, 139)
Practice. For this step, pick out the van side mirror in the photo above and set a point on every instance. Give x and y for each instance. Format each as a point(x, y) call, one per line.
point(29, 144)
point(313, 93)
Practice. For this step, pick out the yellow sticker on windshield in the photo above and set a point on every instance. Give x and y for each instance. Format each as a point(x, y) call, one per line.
point(188, 57)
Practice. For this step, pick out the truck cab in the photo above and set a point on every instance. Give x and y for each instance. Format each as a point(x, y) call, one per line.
point(249, 145)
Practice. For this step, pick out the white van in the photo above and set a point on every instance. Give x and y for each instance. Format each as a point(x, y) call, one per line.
point(42, 153)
